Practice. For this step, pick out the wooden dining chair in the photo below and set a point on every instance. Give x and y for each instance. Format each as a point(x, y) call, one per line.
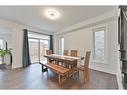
point(85, 68)
point(74, 53)
point(65, 52)
point(48, 52)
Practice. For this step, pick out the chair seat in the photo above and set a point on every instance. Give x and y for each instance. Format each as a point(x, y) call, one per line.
point(81, 67)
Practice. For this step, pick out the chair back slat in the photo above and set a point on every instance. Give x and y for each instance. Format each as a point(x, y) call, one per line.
point(74, 53)
point(65, 52)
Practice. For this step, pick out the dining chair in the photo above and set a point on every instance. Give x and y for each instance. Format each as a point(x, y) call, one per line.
point(65, 52)
point(74, 53)
point(48, 52)
point(85, 68)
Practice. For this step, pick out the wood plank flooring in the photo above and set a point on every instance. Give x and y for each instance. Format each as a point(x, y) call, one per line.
point(32, 78)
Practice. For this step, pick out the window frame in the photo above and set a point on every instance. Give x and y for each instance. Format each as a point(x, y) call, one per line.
point(97, 29)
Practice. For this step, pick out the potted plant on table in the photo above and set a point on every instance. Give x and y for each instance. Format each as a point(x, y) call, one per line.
point(3, 53)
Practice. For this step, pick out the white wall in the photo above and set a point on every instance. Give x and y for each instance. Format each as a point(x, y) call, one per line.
point(80, 37)
point(82, 40)
point(17, 38)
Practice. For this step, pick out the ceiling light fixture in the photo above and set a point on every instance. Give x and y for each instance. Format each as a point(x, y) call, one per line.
point(52, 14)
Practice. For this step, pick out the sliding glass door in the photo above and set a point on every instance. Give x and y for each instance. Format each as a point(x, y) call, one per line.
point(44, 45)
point(38, 44)
point(34, 50)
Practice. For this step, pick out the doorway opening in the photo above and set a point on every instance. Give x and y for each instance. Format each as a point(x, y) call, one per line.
point(5, 44)
point(38, 44)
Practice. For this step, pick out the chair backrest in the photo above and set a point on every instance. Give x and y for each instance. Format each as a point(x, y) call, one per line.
point(65, 52)
point(87, 59)
point(74, 53)
point(48, 52)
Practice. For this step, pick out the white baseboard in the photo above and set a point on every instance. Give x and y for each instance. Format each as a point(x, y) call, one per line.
point(16, 66)
point(103, 70)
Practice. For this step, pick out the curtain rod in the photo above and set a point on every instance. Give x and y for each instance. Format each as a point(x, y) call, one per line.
point(37, 32)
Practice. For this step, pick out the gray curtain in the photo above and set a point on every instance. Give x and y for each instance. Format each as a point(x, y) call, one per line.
point(26, 57)
point(51, 43)
point(6, 45)
point(123, 29)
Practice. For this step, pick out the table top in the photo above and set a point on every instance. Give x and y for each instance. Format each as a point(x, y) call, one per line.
point(63, 57)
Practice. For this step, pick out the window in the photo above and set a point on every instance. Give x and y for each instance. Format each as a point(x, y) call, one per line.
point(61, 45)
point(99, 44)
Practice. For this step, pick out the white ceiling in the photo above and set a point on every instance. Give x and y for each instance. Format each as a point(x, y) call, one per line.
point(33, 15)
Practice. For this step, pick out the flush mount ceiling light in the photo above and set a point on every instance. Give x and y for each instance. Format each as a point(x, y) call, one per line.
point(52, 14)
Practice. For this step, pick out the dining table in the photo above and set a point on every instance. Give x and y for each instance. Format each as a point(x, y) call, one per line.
point(67, 60)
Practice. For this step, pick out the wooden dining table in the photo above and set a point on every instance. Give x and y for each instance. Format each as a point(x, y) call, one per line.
point(64, 59)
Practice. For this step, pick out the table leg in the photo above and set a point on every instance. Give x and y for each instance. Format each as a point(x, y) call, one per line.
point(59, 79)
point(44, 69)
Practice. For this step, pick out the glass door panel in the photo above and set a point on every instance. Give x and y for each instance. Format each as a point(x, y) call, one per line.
point(34, 50)
point(44, 45)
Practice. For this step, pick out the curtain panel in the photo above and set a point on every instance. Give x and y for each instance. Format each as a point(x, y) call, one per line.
point(26, 56)
point(51, 43)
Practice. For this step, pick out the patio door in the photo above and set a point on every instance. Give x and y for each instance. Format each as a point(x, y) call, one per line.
point(34, 50)
point(44, 45)
point(38, 44)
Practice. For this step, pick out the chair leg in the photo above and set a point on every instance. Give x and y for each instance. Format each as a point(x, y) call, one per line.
point(86, 75)
point(66, 65)
point(78, 73)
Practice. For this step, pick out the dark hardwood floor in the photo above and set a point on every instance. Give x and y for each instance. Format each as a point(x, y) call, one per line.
point(32, 78)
